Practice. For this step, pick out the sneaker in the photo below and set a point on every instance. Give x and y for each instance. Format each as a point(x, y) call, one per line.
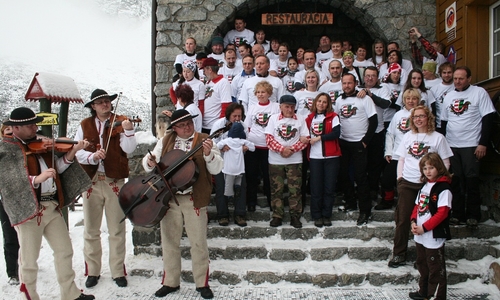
point(384, 204)
point(223, 221)
point(472, 223)
point(205, 292)
point(397, 261)
point(240, 221)
point(318, 222)
point(92, 281)
point(363, 218)
point(165, 290)
point(121, 281)
point(85, 297)
point(276, 222)
point(295, 222)
point(416, 296)
point(14, 280)
point(327, 222)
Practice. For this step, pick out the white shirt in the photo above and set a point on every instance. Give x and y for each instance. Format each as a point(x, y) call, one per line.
point(256, 121)
point(239, 37)
point(326, 65)
point(426, 98)
point(198, 90)
point(228, 73)
point(398, 127)
point(237, 83)
point(301, 76)
point(382, 92)
point(234, 158)
point(440, 91)
point(305, 100)
point(354, 113)
point(316, 130)
point(365, 63)
point(217, 93)
point(394, 91)
point(287, 132)
point(247, 96)
point(334, 89)
point(322, 57)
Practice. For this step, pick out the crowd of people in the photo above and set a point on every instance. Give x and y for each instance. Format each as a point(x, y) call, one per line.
point(327, 121)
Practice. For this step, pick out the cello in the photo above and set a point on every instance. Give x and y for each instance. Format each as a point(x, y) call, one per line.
point(144, 199)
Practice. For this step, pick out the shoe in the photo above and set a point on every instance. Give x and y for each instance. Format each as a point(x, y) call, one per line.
point(397, 261)
point(455, 221)
point(348, 207)
point(240, 221)
point(416, 296)
point(327, 222)
point(14, 280)
point(384, 204)
point(85, 297)
point(318, 222)
point(251, 208)
point(121, 281)
point(92, 281)
point(472, 223)
point(223, 221)
point(165, 290)
point(205, 292)
point(276, 222)
point(363, 218)
point(295, 222)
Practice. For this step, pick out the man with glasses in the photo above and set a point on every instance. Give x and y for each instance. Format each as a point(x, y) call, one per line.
point(105, 161)
point(188, 207)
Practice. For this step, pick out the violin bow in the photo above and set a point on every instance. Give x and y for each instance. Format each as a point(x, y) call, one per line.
point(113, 121)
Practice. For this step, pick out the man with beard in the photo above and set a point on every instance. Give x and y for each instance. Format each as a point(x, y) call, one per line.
point(333, 87)
point(441, 90)
point(230, 69)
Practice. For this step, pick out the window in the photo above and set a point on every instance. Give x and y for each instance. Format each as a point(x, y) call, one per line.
point(495, 39)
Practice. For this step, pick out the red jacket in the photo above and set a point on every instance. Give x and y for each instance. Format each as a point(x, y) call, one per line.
point(330, 136)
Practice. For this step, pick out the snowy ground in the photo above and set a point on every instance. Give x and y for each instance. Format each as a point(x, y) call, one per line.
point(143, 287)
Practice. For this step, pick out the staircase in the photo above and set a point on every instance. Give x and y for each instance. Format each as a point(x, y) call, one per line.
point(337, 256)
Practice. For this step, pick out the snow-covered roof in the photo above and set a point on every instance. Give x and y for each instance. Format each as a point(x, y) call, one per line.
point(56, 88)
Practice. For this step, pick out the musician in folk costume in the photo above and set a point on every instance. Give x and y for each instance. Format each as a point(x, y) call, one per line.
point(191, 208)
point(34, 188)
point(105, 161)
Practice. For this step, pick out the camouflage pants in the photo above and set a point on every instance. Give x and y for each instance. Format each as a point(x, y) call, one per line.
point(293, 174)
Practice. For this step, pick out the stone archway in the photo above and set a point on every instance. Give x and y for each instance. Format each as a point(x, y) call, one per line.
point(177, 20)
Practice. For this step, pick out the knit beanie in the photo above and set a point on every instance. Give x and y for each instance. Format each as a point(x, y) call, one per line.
point(237, 131)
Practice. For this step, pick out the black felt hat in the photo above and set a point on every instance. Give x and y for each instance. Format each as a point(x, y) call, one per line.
point(179, 116)
point(98, 93)
point(23, 116)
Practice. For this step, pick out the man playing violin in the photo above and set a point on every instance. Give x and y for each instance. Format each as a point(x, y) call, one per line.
point(33, 193)
point(107, 166)
point(192, 204)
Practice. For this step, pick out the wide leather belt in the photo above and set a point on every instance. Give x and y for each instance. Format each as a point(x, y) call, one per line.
point(52, 197)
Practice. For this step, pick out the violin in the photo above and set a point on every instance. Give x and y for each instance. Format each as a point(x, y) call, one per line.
point(45, 144)
point(144, 199)
point(120, 120)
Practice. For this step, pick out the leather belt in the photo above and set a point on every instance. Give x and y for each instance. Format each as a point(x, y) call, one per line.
point(52, 197)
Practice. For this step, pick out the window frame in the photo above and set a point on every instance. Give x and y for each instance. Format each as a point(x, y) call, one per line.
point(494, 54)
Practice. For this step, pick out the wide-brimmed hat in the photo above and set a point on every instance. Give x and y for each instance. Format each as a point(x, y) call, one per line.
point(22, 116)
point(98, 93)
point(179, 116)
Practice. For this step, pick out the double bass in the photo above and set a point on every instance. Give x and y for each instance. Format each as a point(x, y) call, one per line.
point(144, 199)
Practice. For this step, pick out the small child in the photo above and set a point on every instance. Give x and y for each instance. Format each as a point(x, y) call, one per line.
point(289, 78)
point(234, 164)
point(430, 227)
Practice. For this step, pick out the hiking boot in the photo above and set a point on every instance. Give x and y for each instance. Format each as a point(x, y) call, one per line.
point(85, 297)
point(384, 204)
point(276, 222)
point(318, 222)
point(92, 281)
point(397, 261)
point(416, 296)
point(472, 223)
point(165, 290)
point(205, 292)
point(295, 222)
point(223, 221)
point(240, 221)
point(363, 218)
point(121, 281)
point(327, 222)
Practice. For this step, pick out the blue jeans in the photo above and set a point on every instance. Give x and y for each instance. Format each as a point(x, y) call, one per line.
point(323, 180)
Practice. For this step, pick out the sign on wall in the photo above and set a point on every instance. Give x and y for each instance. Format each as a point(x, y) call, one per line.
point(450, 21)
point(297, 18)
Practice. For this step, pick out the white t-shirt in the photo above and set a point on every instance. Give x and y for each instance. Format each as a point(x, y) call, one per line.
point(256, 121)
point(181, 58)
point(321, 57)
point(247, 96)
point(304, 101)
point(383, 72)
point(234, 158)
point(334, 89)
point(326, 65)
point(238, 37)
point(382, 92)
point(287, 132)
point(440, 91)
point(423, 215)
point(415, 145)
point(266, 45)
point(426, 98)
point(282, 67)
point(365, 63)
point(194, 110)
point(237, 83)
point(354, 113)
point(398, 127)
point(432, 82)
point(289, 84)
point(316, 130)
point(219, 58)
point(228, 73)
point(394, 91)
point(198, 90)
point(464, 112)
point(218, 91)
point(301, 76)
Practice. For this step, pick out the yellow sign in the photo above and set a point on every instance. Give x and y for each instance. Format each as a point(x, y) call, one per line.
point(48, 119)
point(297, 18)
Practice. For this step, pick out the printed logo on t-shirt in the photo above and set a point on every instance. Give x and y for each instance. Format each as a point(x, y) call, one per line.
point(321, 62)
point(459, 106)
point(290, 86)
point(308, 103)
point(441, 98)
point(208, 92)
point(317, 129)
point(418, 149)
point(334, 95)
point(423, 204)
point(394, 95)
point(282, 72)
point(348, 110)
point(230, 78)
point(404, 125)
point(287, 132)
point(262, 119)
point(240, 40)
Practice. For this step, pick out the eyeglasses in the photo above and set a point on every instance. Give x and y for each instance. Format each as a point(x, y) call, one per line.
point(419, 117)
point(183, 125)
point(102, 102)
